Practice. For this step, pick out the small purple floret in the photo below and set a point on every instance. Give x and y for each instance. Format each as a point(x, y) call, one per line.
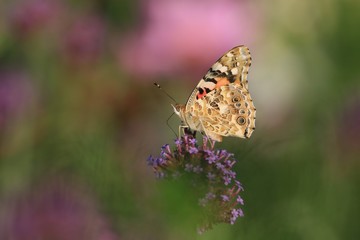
point(192, 141)
point(220, 166)
point(235, 213)
point(150, 161)
point(178, 142)
point(227, 180)
point(193, 150)
point(225, 198)
point(240, 200)
point(211, 158)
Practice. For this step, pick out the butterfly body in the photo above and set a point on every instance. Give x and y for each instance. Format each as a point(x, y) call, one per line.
point(221, 104)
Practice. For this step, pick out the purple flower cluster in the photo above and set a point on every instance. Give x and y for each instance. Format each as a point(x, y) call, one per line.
point(208, 169)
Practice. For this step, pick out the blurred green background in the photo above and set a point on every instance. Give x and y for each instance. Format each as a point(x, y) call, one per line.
point(79, 116)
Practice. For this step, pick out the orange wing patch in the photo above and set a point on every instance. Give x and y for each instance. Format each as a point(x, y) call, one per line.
point(221, 81)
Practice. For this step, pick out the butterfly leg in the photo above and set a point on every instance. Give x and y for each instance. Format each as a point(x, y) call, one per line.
point(182, 127)
point(186, 130)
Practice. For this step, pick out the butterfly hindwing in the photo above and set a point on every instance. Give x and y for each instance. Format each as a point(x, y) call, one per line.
point(221, 104)
point(226, 111)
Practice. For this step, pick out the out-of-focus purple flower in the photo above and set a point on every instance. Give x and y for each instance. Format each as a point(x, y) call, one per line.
point(197, 169)
point(193, 150)
point(225, 198)
point(240, 200)
point(16, 94)
point(27, 16)
point(54, 211)
point(229, 163)
point(185, 37)
point(84, 41)
point(150, 161)
point(166, 148)
point(349, 130)
point(178, 142)
point(230, 173)
point(211, 158)
point(227, 180)
point(192, 141)
point(219, 165)
point(188, 167)
point(213, 179)
point(238, 184)
point(235, 213)
point(211, 176)
point(210, 196)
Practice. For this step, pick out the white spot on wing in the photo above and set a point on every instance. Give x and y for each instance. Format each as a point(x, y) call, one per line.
point(234, 71)
point(223, 69)
point(209, 85)
point(217, 66)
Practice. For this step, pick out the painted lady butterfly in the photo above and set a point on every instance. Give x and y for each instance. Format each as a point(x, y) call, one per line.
point(221, 104)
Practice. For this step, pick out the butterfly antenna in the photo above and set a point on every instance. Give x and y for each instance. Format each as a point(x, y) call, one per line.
point(159, 87)
point(167, 123)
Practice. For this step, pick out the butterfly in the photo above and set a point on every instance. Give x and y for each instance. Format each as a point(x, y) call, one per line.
point(221, 104)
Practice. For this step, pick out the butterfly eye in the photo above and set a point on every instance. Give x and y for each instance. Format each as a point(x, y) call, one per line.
point(235, 99)
point(240, 120)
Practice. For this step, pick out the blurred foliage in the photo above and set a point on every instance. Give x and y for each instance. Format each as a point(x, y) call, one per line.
point(79, 118)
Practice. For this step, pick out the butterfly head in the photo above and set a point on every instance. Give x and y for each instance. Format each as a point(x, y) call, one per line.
point(179, 110)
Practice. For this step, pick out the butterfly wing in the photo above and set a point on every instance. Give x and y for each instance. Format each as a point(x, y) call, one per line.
point(232, 67)
point(228, 111)
point(221, 104)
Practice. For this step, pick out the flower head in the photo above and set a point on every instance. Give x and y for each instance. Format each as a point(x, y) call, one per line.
point(210, 170)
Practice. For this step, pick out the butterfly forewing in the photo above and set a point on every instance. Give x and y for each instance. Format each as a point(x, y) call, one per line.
point(232, 67)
